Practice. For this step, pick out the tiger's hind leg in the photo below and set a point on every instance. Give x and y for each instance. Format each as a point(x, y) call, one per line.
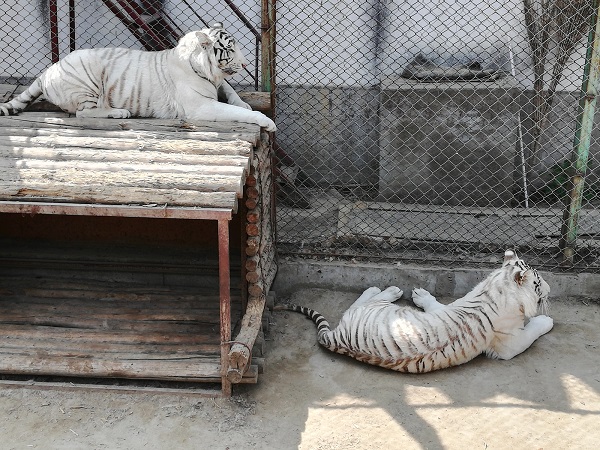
point(374, 294)
point(366, 296)
point(103, 113)
point(424, 300)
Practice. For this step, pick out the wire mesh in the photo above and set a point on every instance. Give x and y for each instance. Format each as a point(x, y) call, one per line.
point(433, 131)
point(39, 32)
point(408, 130)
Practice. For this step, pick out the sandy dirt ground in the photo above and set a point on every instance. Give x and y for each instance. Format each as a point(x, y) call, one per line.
point(309, 398)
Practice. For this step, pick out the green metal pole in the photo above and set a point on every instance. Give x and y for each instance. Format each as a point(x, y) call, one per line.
point(581, 141)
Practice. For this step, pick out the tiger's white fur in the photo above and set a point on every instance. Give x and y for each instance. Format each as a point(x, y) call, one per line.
point(490, 319)
point(180, 83)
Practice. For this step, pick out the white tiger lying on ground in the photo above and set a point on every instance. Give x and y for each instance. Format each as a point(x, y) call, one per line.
point(490, 319)
point(181, 83)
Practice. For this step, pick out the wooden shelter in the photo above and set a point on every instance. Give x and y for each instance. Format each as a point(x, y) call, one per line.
point(134, 249)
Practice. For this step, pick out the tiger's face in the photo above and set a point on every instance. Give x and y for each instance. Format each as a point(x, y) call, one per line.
point(528, 277)
point(229, 57)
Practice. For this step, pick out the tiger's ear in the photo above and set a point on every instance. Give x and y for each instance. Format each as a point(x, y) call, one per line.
point(520, 277)
point(509, 256)
point(192, 42)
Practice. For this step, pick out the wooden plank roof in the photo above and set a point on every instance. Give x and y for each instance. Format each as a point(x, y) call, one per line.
point(51, 158)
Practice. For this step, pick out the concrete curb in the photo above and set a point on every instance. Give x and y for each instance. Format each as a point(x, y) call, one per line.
point(295, 274)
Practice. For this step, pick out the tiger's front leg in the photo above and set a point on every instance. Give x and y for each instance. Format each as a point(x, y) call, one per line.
point(215, 111)
point(232, 97)
point(424, 300)
point(509, 345)
point(103, 113)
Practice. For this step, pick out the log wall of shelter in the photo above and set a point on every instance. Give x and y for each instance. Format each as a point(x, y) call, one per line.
point(261, 257)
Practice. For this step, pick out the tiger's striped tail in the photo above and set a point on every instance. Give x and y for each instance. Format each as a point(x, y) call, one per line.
point(323, 327)
point(17, 104)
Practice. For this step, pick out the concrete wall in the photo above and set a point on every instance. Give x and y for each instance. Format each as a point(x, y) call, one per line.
point(332, 133)
point(455, 144)
point(439, 281)
point(451, 144)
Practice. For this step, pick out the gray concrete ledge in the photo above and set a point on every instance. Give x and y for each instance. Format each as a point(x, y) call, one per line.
point(295, 274)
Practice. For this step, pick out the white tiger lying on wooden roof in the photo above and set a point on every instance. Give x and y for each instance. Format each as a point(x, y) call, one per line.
point(180, 83)
point(490, 319)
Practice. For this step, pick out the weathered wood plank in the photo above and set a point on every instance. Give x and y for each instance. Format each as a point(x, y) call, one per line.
point(46, 315)
point(149, 133)
point(193, 369)
point(51, 334)
point(10, 166)
point(130, 156)
point(25, 345)
point(113, 174)
point(50, 191)
point(218, 130)
point(185, 146)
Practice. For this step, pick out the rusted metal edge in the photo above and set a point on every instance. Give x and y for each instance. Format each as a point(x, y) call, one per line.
point(224, 304)
point(78, 209)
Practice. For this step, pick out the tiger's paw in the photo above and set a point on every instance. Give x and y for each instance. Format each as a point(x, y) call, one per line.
point(390, 294)
point(423, 299)
point(119, 114)
point(265, 122)
point(103, 113)
point(6, 109)
point(541, 324)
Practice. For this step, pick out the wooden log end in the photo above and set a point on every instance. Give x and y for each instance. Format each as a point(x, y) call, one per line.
point(255, 290)
point(252, 192)
point(252, 230)
point(234, 375)
point(251, 265)
point(253, 217)
point(253, 277)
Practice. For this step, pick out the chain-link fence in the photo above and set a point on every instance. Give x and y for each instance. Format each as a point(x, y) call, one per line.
point(410, 131)
point(419, 131)
point(39, 32)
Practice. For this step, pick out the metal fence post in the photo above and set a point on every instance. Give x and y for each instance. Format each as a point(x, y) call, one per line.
point(267, 41)
point(581, 141)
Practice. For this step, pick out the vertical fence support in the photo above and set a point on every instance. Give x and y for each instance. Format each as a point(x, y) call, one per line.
point(72, 35)
point(268, 49)
point(581, 141)
point(53, 12)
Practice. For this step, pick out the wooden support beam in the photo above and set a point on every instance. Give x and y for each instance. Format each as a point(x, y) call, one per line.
point(241, 348)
